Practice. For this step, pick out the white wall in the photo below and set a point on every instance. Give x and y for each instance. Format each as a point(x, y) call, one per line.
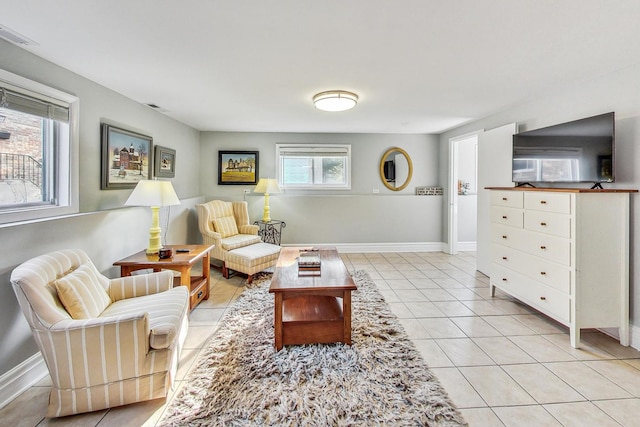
point(112, 233)
point(619, 92)
point(354, 216)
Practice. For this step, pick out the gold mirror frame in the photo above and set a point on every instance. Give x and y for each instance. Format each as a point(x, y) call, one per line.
point(409, 174)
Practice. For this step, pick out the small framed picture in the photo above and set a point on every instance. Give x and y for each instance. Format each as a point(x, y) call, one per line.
point(126, 157)
point(164, 162)
point(237, 167)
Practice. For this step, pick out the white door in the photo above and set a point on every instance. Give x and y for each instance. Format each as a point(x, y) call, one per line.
point(494, 170)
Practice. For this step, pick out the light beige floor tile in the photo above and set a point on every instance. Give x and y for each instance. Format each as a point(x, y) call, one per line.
point(410, 295)
point(400, 310)
point(433, 355)
point(540, 349)
point(389, 295)
point(481, 417)
point(462, 394)
point(542, 384)
point(503, 351)
point(392, 275)
point(580, 414)
point(435, 274)
point(483, 308)
point(587, 381)
point(464, 294)
point(464, 352)
point(624, 411)
point(136, 414)
point(623, 374)
point(217, 300)
point(449, 283)
point(439, 327)
point(187, 361)
point(511, 307)
point(610, 345)
point(475, 326)
point(496, 387)
point(633, 362)
point(587, 351)
point(27, 409)
point(542, 324)
point(413, 274)
point(205, 316)
point(453, 308)
point(197, 336)
point(509, 325)
point(424, 283)
point(437, 294)
point(414, 329)
point(424, 309)
point(518, 416)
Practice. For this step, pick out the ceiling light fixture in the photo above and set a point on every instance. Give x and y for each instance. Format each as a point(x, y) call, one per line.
point(335, 100)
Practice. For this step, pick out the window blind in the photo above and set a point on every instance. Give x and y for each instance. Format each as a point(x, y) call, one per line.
point(23, 102)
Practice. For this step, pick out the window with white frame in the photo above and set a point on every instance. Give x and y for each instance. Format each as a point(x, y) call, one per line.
point(314, 166)
point(38, 174)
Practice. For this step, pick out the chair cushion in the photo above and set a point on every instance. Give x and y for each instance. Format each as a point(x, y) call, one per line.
point(166, 311)
point(239, 241)
point(226, 226)
point(254, 255)
point(82, 294)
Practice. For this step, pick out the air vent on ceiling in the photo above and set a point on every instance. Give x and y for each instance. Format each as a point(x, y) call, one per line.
point(156, 107)
point(14, 37)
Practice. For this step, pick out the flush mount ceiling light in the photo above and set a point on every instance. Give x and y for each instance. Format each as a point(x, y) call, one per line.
point(335, 100)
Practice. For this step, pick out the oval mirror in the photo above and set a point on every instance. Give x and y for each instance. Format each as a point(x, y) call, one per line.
point(396, 169)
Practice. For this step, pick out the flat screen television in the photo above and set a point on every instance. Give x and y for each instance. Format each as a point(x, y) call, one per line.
point(572, 152)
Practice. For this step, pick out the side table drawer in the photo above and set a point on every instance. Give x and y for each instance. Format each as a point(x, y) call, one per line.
point(506, 216)
point(198, 294)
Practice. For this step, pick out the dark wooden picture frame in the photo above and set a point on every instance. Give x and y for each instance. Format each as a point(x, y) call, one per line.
point(164, 162)
point(126, 157)
point(238, 167)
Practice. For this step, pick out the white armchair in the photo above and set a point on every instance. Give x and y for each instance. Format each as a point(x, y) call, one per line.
point(106, 342)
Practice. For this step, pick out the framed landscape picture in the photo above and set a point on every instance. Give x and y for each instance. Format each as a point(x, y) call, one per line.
point(126, 157)
point(237, 167)
point(164, 162)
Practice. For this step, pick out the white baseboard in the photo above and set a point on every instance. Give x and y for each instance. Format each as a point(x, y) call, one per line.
point(21, 378)
point(381, 247)
point(634, 339)
point(467, 246)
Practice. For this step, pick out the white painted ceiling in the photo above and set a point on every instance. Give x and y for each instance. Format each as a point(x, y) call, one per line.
point(419, 66)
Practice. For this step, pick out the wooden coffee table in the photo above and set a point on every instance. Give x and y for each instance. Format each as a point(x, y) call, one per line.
point(312, 309)
point(180, 261)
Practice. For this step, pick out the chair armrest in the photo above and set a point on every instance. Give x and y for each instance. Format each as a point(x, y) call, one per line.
point(248, 229)
point(140, 285)
point(96, 351)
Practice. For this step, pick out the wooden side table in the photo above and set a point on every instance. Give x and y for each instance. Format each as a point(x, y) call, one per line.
point(180, 261)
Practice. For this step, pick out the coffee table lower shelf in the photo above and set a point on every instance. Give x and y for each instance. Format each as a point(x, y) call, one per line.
point(309, 319)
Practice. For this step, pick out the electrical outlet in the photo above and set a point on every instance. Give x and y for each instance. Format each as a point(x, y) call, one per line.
point(246, 191)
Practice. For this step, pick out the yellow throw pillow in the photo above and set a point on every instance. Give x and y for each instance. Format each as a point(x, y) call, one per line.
point(226, 226)
point(82, 294)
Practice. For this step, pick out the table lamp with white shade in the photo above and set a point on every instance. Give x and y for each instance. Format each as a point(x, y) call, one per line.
point(153, 194)
point(266, 186)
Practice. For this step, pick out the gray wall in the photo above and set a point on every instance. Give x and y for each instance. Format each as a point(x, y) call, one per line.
point(354, 216)
point(112, 233)
point(619, 92)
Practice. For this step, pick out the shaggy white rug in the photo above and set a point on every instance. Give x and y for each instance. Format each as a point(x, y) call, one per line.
point(381, 380)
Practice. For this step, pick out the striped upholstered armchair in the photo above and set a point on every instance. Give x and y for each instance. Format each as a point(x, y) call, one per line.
point(106, 342)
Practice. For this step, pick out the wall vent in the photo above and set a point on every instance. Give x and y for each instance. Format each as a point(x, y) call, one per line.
point(156, 107)
point(14, 37)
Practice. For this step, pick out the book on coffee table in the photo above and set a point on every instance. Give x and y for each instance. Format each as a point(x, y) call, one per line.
point(309, 263)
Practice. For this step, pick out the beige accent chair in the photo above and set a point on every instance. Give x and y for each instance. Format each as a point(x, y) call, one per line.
point(106, 342)
point(237, 244)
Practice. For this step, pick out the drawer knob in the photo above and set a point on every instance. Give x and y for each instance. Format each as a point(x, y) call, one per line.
point(544, 248)
point(544, 224)
point(504, 217)
point(504, 199)
point(543, 298)
point(199, 294)
point(504, 258)
point(543, 202)
point(504, 279)
point(504, 237)
point(543, 273)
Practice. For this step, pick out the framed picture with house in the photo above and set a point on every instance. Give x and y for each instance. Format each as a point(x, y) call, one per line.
point(238, 167)
point(164, 162)
point(126, 157)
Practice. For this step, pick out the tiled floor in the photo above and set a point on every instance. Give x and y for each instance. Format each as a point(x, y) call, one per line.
point(501, 362)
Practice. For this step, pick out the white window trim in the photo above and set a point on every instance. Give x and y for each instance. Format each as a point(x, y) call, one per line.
point(314, 147)
point(71, 180)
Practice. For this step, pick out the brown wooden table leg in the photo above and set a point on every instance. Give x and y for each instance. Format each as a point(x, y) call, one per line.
point(206, 273)
point(346, 314)
point(278, 320)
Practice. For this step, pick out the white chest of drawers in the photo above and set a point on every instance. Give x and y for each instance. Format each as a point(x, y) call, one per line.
point(564, 252)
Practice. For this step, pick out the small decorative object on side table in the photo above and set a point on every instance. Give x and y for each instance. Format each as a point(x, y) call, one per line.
point(270, 231)
point(183, 258)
